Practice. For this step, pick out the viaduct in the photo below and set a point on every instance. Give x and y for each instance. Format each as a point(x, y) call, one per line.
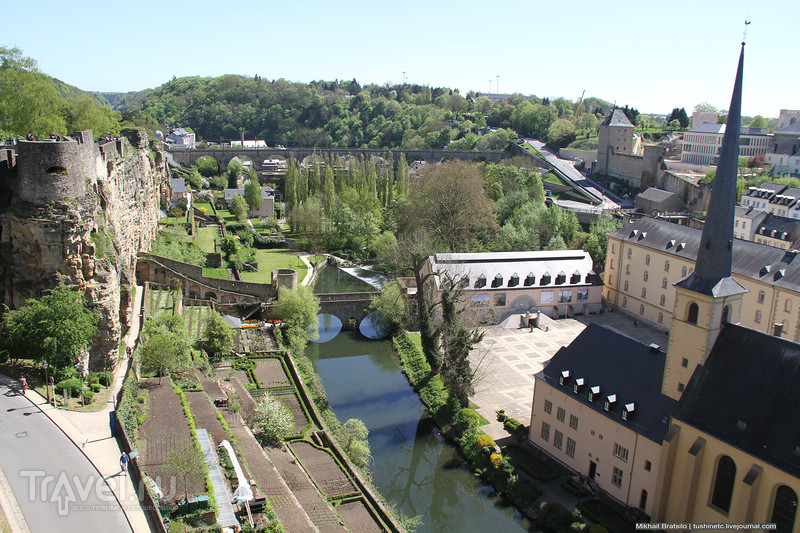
point(257, 156)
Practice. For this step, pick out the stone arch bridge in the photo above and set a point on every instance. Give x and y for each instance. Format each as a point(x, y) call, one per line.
point(258, 155)
point(346, 305)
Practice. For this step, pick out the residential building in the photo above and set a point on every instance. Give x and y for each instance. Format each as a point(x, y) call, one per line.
point(179, 190)
point(780, 232)
point(760, 197)
point(701, 144)
point(267, 208)
point(745, 222)
point(180, 139)
point(715, 439)
point(784, 157)
point(496, 285)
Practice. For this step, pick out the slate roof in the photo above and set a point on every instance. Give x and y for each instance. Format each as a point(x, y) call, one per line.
point(620, 366)
point(655, 195)
point(178, 185)
point(776, 227)
point(749, 212)
point(499, 268)
point(746, 394)
point(757, 261)
point(791, 129)
point(708, 128)
point(617, 118)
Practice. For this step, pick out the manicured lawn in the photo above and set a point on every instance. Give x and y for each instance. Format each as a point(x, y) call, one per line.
point(222, 273)
point(206, 238)
point(269, 260)
point(205, 207)
point(226, 215)
point(172, 220)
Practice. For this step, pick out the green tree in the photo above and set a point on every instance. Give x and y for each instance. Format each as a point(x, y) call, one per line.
point(597, 242)
point(758, 122)
point(28, 99)
point(298, 309)
point(166, 345)
point(85, 114)
point(449, 201)
point(355, 435)
point(218, 336)
point(234, 171)
point(252, 194)
point(229, 246)
point(561, 133)
point(390, 305)
point(238, 207)
point(207, 166)
point(456, 343)
point(273, 420)
point(55, 328)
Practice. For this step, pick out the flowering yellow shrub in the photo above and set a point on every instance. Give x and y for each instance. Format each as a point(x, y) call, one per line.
point(484, 441)
point(496, 459)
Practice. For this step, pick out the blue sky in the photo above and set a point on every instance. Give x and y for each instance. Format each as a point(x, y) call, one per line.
point(652, 55)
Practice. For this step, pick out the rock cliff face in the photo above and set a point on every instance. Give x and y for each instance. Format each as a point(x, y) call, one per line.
point(79, 213)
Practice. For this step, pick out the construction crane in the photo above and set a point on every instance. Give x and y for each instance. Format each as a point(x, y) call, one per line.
point(578, 107)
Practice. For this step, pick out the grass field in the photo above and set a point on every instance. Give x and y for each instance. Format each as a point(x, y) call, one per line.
point(221, 273)
point(169, 221)
point(206, 238)
point(205, 207)
point(226, 215)
point(269, 260)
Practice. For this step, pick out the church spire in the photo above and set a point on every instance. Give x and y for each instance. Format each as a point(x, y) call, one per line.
point(716, 245)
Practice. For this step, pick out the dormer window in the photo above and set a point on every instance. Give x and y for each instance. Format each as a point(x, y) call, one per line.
point(530, 279)
point(561, 278)
point(578, 385)
point(611, 399)
point(545, 279)
point(514, 280)
point(670, 244)
point(576, 278)
point(681, 246)
point(628, 410)
point(633, 234)
point(593, 392)
point(480, 282)
point(563, 377)
point(498, 281)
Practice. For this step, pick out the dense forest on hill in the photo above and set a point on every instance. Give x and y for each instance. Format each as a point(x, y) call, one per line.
point(347, 114)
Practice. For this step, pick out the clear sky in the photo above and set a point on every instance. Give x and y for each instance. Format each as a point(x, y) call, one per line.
point(652, 55)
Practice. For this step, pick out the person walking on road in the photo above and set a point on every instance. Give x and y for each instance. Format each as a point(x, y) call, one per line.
point(123, 462)
point(24, 384)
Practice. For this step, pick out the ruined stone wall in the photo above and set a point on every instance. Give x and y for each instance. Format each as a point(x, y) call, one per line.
point(79, 214)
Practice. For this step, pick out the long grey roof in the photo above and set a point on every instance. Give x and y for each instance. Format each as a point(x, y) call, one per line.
point(749, 212)
point(617, 118)
point(499, 268)
point(622, 367)
point(791, 129)
point(655, 195)
point(776, 227)
point(746, 394)
point(756, 261)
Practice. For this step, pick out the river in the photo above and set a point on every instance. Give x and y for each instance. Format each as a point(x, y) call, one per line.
point(414, 468)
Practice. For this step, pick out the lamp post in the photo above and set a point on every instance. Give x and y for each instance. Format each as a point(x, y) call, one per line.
point(46, 381)
point(80, 369)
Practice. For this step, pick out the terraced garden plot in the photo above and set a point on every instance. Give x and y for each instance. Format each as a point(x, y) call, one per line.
point(269, 260)
point(221, 273)
point(196, 317)
point(269, 373)
point(324, 470)
point(164, 429)
point(358, 518)
point(159, 301)
point(206, 238)
point(289, 398)
point(205, 207)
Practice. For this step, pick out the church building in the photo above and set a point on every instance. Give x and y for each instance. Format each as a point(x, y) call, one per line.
point(704, 432)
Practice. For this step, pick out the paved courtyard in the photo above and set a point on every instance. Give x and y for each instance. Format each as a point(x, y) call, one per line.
point(509, 356)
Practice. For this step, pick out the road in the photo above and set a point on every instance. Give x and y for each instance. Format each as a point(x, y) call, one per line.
point(602, 197)
point(54, 484)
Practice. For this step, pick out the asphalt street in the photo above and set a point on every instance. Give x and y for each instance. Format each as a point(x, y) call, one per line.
point(54, 484)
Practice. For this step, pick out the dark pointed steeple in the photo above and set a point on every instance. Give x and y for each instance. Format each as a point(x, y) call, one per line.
point(712, 273)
